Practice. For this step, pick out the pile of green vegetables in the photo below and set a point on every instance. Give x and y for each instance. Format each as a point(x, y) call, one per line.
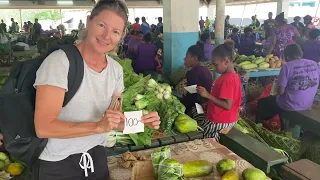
point(164, 167)
point(144, 93)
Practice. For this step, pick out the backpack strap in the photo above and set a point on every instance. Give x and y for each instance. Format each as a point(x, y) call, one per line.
point(76, 71)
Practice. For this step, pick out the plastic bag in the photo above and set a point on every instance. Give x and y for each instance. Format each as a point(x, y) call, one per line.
point(158, 156)
point(170, 169)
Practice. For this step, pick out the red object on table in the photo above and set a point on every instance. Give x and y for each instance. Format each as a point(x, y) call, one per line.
point(274, 122)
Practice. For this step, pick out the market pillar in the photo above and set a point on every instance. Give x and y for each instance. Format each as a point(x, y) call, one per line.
point(211, 12)
point(181, 30)
point(219, 25)
point(283, 6)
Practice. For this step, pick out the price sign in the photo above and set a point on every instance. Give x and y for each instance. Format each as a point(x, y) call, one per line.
point(133, 123)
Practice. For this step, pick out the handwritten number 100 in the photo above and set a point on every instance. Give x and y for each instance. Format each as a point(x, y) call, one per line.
point(132, 122)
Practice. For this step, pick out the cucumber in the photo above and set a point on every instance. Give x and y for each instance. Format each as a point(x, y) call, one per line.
point(260, 60)
point(249, 66)
point(264, 65)
point(244, 62)
point(197, 168)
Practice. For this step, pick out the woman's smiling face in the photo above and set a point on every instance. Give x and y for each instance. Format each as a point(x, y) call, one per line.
point(105, 31)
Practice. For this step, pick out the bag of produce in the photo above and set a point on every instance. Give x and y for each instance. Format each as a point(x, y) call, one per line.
point(158, 156)
point(170, 169)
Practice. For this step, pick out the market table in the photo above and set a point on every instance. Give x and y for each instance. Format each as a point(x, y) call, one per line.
point(205, 149)
point(263, 73)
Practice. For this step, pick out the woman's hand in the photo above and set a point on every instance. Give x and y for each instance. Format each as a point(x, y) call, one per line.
point(203, 92)
point(110, 121)
point(152, 120)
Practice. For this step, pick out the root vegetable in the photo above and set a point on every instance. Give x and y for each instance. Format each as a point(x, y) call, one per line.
point(128, 156)
point(126, 164)
point(278, 64)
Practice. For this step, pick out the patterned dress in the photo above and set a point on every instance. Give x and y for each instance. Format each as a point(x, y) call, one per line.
point(284, 38)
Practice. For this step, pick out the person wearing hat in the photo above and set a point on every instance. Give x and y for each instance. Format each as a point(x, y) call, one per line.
point(308, 25)
point(282, 36)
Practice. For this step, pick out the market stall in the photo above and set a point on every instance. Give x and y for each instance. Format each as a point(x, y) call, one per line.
point(207, 149)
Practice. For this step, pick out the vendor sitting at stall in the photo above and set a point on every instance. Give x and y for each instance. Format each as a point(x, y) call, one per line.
point(235, 38)
point(197, 75)
point(311, 49)
point(207, 46)
point(225, 96)
point(297, 83)
point(134, 42)
point(247, 42)
point(146, 56)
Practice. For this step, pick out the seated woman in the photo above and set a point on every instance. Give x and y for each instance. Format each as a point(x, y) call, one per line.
point(146, 56)
point(235, 38)
point(297, 83)
point(198, 75)
point(134, 42)
point(247, 42)
point(224, 98)
point(311, 49)
point(207, 46)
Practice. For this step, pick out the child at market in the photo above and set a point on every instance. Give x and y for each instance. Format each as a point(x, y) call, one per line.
point(146, 56)
point(247, 42)
point(297, 86)
point(197, 75)
point(225, 96)
point(311, 49)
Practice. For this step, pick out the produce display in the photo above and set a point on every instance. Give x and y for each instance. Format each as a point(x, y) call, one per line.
point(144, 93)
point(260, 63)
point(9, 167)
point(166, 167)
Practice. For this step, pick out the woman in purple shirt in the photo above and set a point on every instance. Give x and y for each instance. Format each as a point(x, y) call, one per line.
point(133, 44)
point(311, 49)
point(197, 75)
point(247, 42)
point(297, 83)
point(146, 56)
point(207, 46)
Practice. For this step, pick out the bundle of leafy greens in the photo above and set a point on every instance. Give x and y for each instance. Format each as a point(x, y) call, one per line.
point(144, 93)
point(158, 156)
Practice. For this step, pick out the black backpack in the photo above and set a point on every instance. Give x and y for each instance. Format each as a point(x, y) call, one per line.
point(17, 104)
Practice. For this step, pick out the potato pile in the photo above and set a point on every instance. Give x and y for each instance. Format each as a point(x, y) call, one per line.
point(274, 61)
point(128, 159)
